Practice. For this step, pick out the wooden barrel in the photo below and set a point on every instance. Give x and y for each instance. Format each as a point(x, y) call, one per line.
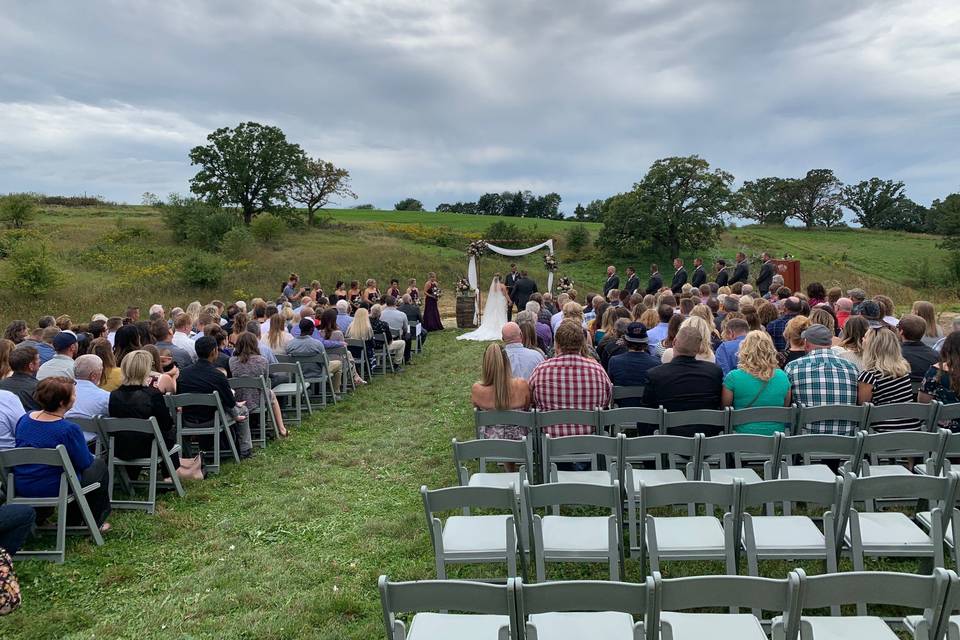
point(465, 309)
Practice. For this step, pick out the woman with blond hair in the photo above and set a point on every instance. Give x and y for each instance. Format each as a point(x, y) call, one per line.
point(193, 311)
point(498, 390)
point(649, 319)
point(885, 378)
point(758, 381)
point(277, 335)
point(703, 311)
point(706, 351)
point(851, 340)
point(111, 378)
point(361, 329)
point(927, 311)
point(795, 347)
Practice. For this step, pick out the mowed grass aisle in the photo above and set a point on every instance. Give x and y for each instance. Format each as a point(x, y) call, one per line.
point(287, 545)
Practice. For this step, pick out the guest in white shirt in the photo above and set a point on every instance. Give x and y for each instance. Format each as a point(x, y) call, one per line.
point(557, 318)
point(522, 360)
point(181, 336)
point(91, 399)
point(65, 345)
point(11, 410)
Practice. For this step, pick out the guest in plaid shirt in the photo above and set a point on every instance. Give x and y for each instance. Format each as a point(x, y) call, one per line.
point(791, 309)
point(569, 380)
point(821, 377)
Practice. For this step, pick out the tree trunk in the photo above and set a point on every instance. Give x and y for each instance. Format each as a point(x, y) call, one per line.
point(311, 220)
point(247, 216)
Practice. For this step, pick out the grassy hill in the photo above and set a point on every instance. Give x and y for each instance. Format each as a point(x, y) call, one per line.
point(111, 256)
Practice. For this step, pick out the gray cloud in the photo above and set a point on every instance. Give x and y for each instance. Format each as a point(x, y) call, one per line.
point(443, 101)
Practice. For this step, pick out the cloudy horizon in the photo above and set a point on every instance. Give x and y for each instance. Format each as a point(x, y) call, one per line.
point(445, 101)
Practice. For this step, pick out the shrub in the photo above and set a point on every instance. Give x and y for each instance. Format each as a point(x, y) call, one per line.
point(31, 271)
point(10, 239)
point(409, 204)
point(202, 270)
point(578, 237)
point(17, 209)
point(197, 223)
point(236, 241)
point(267, 228)
point(365, 207)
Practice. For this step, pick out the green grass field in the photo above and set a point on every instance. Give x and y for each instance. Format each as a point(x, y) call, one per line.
point(289, 544)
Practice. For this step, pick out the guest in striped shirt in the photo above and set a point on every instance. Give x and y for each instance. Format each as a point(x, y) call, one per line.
point(885, 378)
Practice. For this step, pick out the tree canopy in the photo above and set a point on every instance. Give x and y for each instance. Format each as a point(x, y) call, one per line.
point(316, 183)
point(250, 166)
point(765, 200)
point(882, 204)
point(409, 204)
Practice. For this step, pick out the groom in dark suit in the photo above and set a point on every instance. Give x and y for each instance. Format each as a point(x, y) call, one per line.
point(633, 282)
point(679, 276)
point(509, 281)
point(523, 287)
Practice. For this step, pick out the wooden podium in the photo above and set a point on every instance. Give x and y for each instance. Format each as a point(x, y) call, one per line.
point(790, 270)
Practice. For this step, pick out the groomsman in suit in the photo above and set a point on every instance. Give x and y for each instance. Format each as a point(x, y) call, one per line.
point(509, 281)
point(613, 281)
point(741, 272)
point(766, 274)
point(633, 282)
point(722, 276)
point(699, 275)
point(656, 280)
point(523, 288)
point(679, 276)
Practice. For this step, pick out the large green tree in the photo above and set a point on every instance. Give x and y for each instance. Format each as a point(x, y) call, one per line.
point(882, 204)
point(316, 183)
point(250, 166)
point(765, 200)
point(816, 198)
point(679, 205)
point(945, 219)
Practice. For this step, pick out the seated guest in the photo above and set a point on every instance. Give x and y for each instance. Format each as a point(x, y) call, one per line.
point(135, 398)
point(110, 378)
point(658, 333)
point(204, 377)
point(885, 378)
point(361, 329)
point(16, 332)
point(756, 381)
point(126, 340)
point(522, 360)
point(499, 390)
point(222, 361)
point(277, 336)
point(887, 309)
point(305, 346)
point(942, 380)
point(16, 525)
point(706, 352)
point(182, 326)
point(40, 339)
point(612, 343)
point(630, 369)
point(569, 380)
point(822, 377)
point(544, 333)
point(729, 305)
point(46, 429)
point(734, 332)
point(851, 340)
point(247, 362)
point(91, 400)
point(165, 372)
point(530, 339)
point(398, 322)
point(795, 344)
point(926, 311)
point(920, 356)
point(24, 362)
point(667, 343)
point(414, 315)
point(11, 410)
point(954, 326)
point(557, 316)
point(343, 315)
point(394, 347)
point(685, 383)
point(60, 365)
point(792, 307)
point(160, 332)
point(253, 327)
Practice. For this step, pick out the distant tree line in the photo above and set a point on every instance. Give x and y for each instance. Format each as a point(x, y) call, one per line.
point(519, 204)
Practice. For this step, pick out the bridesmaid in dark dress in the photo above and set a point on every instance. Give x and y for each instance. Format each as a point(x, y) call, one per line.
point(431, 310)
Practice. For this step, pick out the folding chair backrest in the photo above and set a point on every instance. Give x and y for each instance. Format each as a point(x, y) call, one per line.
point(935, 489)
point(820, 445)
point(89, 425)
point(57, 457)
point(573, 493)
point(565, 416)
point(629, 417)
point(624, 393)
point(446, 595)
point(810, 491)
point(889, 443)
point(181, 400)
point(286, 367)
point(690, 492)
point(785, 415)
point(584, 595)
point(642, 447)
point(925, 413)
point(247, 382)
point(484, 418)
point(696, 592)
point(946, 412)
point(518, 451)
point(452, 498)
point(737, 443)
point(130, 425)
point(847, 412)
point(572, 445)
point(707, 417)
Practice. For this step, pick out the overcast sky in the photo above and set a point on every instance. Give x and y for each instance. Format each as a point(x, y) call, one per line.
point(444, 101)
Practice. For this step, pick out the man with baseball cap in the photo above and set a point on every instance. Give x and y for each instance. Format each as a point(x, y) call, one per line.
point(872, 313)
point(61, 364)
point(822, 377)
point(630, 369)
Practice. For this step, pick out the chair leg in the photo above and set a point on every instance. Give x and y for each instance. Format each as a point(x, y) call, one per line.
point(231, 443)
point(152, 487)
point(61, 548)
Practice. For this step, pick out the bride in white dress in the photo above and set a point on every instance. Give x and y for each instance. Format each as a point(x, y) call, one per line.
point(494, 313)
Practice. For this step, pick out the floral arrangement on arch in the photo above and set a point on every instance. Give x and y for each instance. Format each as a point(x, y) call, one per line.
point(463, 287)
point(564, 285)
point(477, 248)
point(550, 262)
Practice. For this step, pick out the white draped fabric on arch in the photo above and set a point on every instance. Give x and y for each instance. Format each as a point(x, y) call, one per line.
point(473, 276)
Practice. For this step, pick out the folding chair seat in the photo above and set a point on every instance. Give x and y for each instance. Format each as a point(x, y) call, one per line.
point(690, 537)
point(514, 451)
point(709, 422)
point(70, 491)
point(666, 617)
point(923, 445)
point(321, 380)
point(158, 454)
point(263, 411)
point(626, 393)
point(563, 538)
point(646, 420)
point(490, 610)
point(848, 450)
point(221, 424)
point(469, 539)
point(735, 445)
point(927, 593)
point(892, 533)
point(294, 389)
point(789, 537)
point(809, 418)
point(596, 447)
point(573, 610)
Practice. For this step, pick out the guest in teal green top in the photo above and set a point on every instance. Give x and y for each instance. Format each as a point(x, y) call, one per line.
point(757, 382)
